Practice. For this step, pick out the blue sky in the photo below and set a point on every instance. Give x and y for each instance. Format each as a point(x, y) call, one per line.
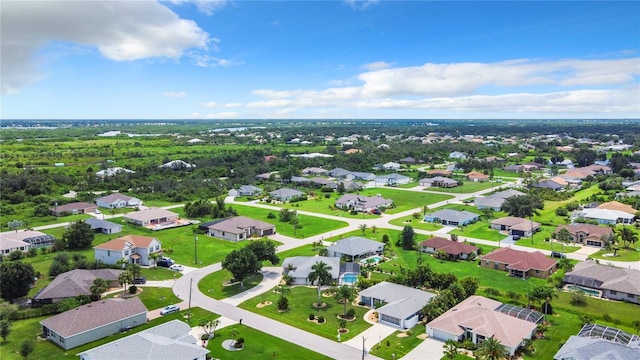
point(181, 59)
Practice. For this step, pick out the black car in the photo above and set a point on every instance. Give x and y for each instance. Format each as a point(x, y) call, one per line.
point(515, 237)
point(164, 263)
point(140, 280)
point(556, 254)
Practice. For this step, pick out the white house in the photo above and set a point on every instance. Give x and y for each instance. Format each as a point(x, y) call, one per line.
point(299, 267)
point(402, 304)
point(151, 216)
point(238, 228)
point(24, 240)
point(355, 247)
point(135, 248)
point(118, 200)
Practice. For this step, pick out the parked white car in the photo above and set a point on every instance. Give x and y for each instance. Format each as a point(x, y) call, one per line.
point(176, 267)
point(169, 309)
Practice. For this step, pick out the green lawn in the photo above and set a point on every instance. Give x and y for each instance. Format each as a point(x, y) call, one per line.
point(400, 346)
point(623, 255)
point(548, 214)
point(415, 223)
point(305, 250)
point(300, 306)
point(538, 241)
point(307, 225)
point(479, 230)
point(160, 273)
point(467, 188)
point(258, 345)
point(153, 297)
point(30, 329)
point(213, 286)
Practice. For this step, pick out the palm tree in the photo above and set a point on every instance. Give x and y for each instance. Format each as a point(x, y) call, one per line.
point(363, 228)
point(122, 262)
point(125, 278)
point(451, 349)
point(320, 272)
point(283, 301)
point(154, 256)
point(135, 270)
point(209, 326)
point(564, 236)
point(491, 349)
point(97, 288)
point(345, 293)
point(628, 236)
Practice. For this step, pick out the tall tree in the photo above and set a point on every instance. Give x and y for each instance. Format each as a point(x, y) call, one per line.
point(264, 250)
point(16, 279)
point(209, 326)
point(407, 237)
point(627, 236)
point(124, 279)
point(5, 328)
point(78, 235)
point(564, 236)
point(26, 348)
point(97, 288)
point(345, 293)
point(491, 349)
point(522, 206)
point(320, 271)
point(241, 263)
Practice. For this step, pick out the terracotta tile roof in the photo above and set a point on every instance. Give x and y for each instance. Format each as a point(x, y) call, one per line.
point(516, 223)
point(119, 243)
point(592, 231)
point(450, 247)
point(521, 260)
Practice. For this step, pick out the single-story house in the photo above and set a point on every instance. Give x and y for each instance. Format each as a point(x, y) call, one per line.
point(439, 172)
point(299, 180)
point(452, 217)
point(118, 200)
point(339, 173)
point(362, 203)
point(454, 250)
point(74, 283)
point(299, 267)
point(355, 247)
point(170, 340)
point(457, 155)
point(476, 176)
point(24, 240)
point(614, 283)
point(402, 304)
point(515, 226)
point(316, 171)
point(364, 176)
point(94, 321)
point(177, 165)
point(238, 228)
point(134, 248)
point(505, 194)
point(438, 181)
point(103, 226)
point(607, 216)
point(553, 184)
point(519, 263)
point(391, 166)
point(587, 234)
point(323, 182)
point(113, 172)
point(246, 190)
point(478, 318)
point(393, 179)
point(72, 208)
point(285, 194)
point(151, 216)
point(600, 342)
point(616, 205)
point(408, 160)
point(495, 201)
point(351, 186)
point(268, 175)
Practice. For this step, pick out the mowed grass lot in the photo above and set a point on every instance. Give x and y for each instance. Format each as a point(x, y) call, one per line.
point(213, 285)
point(258, 345)
point(415, 223)
point(301, 302)
point(623, 254)
point(30, 329)
point(399, 345)
point(467, 187)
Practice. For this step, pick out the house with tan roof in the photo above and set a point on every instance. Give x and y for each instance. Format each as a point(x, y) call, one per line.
point(170, 340)
point(612, 282)
point(438, 181)
point(616, 205)
point(478, 318)
point(72, 208)
point(94, 321)
point(515, 226)
point(587, 234)
point(151, 216)
point(521, 264)
point(454, 250)
point(238, 228)
point(74, 283)
point(477, 177)
point(439, 172)
point(134, 248)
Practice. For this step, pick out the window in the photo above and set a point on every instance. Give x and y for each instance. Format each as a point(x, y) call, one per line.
point(157, 247)
point(108, 252)
point(126, 252)
point(496, 265)
point(613, 292)
point(631, 296)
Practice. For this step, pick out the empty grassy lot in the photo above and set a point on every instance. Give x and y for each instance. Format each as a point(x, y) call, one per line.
point(213, 285)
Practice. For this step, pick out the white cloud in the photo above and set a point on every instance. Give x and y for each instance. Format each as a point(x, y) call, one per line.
point(378, 65)
point(210, 104)
point(175, 95)
point(233, 105)
point(208, 7)
point(205, 61)
point(360, 4)
point(120, 30)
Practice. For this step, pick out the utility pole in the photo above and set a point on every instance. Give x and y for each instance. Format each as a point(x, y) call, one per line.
point(190, 288)
point(363, 349)
point(195, 248)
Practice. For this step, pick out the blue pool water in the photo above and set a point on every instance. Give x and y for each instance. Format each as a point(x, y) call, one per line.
point(349, 278)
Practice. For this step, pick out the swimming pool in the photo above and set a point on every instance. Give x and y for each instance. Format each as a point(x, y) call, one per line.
point(371, 260)
point(349, 278)
point(590, 292)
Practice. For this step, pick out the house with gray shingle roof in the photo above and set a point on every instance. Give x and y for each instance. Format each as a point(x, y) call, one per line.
point(299, 267)
point(238, 228)
point(614, 283)
point(117, 200)
point(170, 340)
point(452, 217)
point(393, 179)
point(245, 190)
point(401, 304)
point(74, 283)
point(285, 194)
point(355, 247)
point(495, 201)
point(103, 226)
point(362, 203)
point(94, 321)
point(515, 225)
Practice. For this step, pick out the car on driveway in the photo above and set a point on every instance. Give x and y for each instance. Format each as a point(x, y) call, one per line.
point(515, 237)
point(169, 309)
point(176, 267)
point(140, 280)
point(556, 254)
point(376, 212)
point(163, 263)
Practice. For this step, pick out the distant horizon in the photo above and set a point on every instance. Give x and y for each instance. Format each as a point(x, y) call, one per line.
point(335, 59)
